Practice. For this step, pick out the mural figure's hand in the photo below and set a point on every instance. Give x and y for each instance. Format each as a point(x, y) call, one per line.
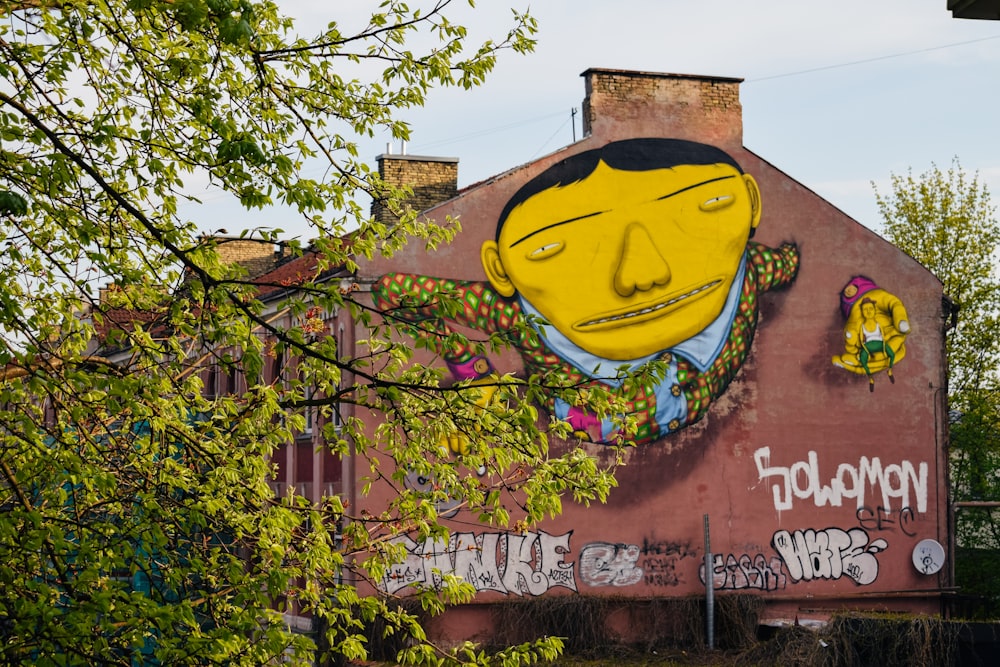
point(586, 427)
point(480, 393)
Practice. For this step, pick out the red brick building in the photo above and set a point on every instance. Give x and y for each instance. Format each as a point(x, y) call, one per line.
point(803, 417)
point(825, 486)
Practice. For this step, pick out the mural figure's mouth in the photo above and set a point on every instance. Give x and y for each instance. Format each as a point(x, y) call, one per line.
point(650, 311)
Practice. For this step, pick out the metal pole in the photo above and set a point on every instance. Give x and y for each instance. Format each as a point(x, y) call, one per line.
point(709, 590)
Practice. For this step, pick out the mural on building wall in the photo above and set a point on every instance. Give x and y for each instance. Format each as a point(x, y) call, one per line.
point(899, 486)
point(829, 554)
point(426, 486)
point(746, 572)
point(616, 257)
point(875, 330)
point(528, 563)
point(882, 518)
point(533, 563)
point(606, 564)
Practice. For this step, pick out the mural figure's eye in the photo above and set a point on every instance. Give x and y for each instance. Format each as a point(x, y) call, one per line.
point(715, 203)
point(546, 250)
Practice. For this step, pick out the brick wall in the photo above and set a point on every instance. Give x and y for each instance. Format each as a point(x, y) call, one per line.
point(700, 108)
point(256, 256)
point(433, 180)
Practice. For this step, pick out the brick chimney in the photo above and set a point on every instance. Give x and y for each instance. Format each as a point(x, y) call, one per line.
point(257, 256)
point(433, 180)
point(622, 104)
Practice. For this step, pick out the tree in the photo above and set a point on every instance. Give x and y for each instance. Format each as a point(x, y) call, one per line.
point(136, 523)
point(945, 220)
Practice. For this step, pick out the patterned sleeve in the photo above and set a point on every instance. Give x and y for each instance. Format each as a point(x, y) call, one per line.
point(776, 267)
point(430, 305)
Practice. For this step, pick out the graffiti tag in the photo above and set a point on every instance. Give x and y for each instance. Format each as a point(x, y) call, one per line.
point(880, 518)
point(665, 548)
point(803, 480)
point(829, 554)
point(660, 558)
point(758, 573)
point(523, 564)
point(661, 571)
point(604, 564)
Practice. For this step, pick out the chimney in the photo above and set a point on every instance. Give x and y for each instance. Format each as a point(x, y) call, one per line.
point(104, 294)
point(621, 104)
point(258, 256)
point(432, 180)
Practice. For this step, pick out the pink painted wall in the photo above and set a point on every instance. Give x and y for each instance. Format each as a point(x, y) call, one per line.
point(772, 463)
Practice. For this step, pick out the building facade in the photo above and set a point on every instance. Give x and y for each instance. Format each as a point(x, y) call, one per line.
point(797, 435)
point(802, 413)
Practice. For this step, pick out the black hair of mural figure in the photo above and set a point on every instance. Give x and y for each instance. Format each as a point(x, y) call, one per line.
point(631, 155)
point(632, 253)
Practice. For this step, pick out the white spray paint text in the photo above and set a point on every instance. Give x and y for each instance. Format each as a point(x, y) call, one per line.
point(802, 480)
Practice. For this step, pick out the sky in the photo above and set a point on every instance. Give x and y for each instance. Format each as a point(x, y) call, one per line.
point(839, 96)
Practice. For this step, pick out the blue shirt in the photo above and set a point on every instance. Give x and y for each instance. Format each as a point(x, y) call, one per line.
point(701, 350)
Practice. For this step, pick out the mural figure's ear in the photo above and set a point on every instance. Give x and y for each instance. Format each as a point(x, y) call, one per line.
point(754, 193)
point(493, 265)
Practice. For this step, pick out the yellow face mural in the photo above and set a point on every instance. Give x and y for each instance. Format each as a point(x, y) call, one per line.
point(628, 263)
point(634, 251)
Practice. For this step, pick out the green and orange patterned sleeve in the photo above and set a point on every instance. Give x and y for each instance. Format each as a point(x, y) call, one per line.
point(776, 267)
point(429, 306)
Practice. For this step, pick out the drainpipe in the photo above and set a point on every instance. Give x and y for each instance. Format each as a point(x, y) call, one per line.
point(348, 467)
point(709, 591)
point(355, 285)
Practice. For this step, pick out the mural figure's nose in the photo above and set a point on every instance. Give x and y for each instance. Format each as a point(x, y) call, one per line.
point(641, 265)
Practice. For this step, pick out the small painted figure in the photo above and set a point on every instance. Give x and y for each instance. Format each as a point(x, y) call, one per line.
point(875, 332)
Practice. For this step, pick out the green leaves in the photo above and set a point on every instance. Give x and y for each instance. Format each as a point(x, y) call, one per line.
point(140, 409)
point(12, 204)
point(240, 148)
point(946, 221)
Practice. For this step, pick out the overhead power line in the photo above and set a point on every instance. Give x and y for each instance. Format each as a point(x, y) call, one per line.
point(489, 130)
point(871, 60)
